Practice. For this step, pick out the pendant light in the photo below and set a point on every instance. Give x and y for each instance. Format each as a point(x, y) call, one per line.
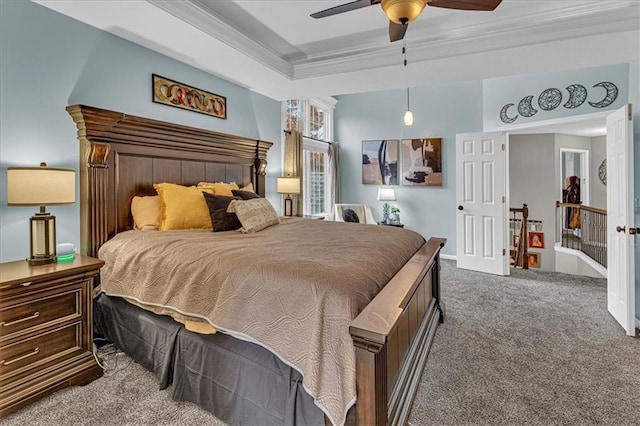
point(408, 115)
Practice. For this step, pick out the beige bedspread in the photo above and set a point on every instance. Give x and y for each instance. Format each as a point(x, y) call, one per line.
point(292, 288)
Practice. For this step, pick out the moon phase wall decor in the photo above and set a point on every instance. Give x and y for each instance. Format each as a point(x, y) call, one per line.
point(551, 99)
point(602, 172)
point(577, 96)
point(612, 94)
point(525, 108)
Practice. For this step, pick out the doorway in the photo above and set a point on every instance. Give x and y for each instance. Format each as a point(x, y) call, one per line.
point(574, 176)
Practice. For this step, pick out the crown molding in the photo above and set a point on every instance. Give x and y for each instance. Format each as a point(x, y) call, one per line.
point(217, 27)
point(574, 22)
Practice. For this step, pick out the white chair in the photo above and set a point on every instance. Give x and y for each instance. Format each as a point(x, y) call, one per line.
point(352, 213)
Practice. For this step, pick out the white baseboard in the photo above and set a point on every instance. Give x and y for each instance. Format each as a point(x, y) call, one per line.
point(448, 256)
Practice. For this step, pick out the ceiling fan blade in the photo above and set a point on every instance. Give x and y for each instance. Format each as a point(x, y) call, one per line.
point(347, 7)
point(397, 31)
point(465, 4)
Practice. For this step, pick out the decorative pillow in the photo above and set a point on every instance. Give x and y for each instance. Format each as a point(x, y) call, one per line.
point(254, 215)
point(183, 207)
point(248, 187)
point(220, 188)
point(349, 215)
point(146, 212)
point(245, 195)
point(220, 219)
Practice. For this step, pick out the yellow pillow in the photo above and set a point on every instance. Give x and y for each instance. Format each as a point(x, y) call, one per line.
point(146, 212)
point(183, 207)
point(220, 188)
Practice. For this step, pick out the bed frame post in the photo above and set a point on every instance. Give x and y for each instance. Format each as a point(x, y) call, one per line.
point(94, 158)
point(371, 361)
point(260, 168)
point(392, 337)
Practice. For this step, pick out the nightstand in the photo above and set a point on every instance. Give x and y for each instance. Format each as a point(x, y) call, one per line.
point(46, 329)
point(397, 225)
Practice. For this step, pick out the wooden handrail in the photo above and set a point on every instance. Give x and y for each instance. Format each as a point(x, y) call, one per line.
point(581, 206)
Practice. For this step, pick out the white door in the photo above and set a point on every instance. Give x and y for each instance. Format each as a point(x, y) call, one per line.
point(481, 222)
point(620, 243)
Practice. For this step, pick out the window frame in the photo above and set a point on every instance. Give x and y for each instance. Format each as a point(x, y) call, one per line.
point(327, 106)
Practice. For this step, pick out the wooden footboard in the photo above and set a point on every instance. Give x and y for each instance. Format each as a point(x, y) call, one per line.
point(393, 335)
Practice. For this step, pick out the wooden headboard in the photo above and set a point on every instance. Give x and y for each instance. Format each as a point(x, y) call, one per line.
point(122, 155)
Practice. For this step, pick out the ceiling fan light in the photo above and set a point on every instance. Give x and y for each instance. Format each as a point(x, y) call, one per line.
point(403, 11)
point(408, 118)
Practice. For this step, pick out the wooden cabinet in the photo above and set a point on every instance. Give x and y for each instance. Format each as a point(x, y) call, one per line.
point(46, 335)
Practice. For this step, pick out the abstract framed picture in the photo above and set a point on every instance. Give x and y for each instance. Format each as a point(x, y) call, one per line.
point(179, 95)
point(536, 239)
point(422, 162)
point(380, 162)
point(533, 259)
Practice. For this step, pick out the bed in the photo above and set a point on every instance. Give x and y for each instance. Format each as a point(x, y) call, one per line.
point(124, 155)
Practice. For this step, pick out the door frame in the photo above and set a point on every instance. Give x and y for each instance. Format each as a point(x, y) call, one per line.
point(515, 129)
point(584, 165)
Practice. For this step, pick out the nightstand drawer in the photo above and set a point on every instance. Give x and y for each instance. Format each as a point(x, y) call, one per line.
point(28, 355)
point(24, 313)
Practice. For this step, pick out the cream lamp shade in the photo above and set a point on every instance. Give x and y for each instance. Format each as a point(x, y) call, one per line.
point(41, 186)
point(288, 185)
point(386, 194)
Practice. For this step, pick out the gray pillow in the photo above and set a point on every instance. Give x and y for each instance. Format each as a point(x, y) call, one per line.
point(349, 215)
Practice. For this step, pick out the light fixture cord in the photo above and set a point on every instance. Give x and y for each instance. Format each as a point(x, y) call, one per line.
point(404, 50)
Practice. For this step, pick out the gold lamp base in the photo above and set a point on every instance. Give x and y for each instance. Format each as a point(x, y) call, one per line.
point(43, 238)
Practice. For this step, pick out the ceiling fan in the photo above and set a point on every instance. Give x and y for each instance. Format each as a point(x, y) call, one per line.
point(402, 12)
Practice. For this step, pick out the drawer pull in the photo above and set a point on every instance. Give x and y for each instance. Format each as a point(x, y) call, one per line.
point(27, 284)
point(36, 351)
point(30, 317)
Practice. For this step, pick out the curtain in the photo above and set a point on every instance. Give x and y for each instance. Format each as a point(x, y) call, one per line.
point(334, 175)
point(293, 166)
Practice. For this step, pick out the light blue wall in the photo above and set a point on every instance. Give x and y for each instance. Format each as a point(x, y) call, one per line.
point(440, 111)
point(49, 61)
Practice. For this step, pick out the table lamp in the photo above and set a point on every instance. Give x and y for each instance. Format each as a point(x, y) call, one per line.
point(41, 186)
point(288, 186)
point(386, 194)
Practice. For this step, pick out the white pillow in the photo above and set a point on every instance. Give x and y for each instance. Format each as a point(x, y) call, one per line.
point(255, 214)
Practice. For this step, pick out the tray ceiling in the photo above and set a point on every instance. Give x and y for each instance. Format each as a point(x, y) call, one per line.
point(273, 47)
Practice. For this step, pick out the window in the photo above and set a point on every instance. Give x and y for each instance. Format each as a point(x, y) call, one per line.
point(313, 118)
point(315, 159)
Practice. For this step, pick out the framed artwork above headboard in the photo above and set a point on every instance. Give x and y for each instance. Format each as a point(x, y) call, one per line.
point(123, 155)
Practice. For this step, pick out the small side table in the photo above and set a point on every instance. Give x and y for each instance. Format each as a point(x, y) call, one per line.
point(397, 225)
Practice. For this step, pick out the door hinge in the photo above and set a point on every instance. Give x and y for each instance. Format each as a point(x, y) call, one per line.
point(504, 199)
point(504, 252)
point(504, 147)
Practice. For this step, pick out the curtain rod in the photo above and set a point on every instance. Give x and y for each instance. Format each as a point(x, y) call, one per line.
point(309, 137)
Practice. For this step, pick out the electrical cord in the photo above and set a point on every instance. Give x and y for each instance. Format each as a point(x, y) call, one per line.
point(108, 357)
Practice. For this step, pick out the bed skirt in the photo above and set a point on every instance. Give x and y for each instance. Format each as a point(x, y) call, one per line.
point(238, 381)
